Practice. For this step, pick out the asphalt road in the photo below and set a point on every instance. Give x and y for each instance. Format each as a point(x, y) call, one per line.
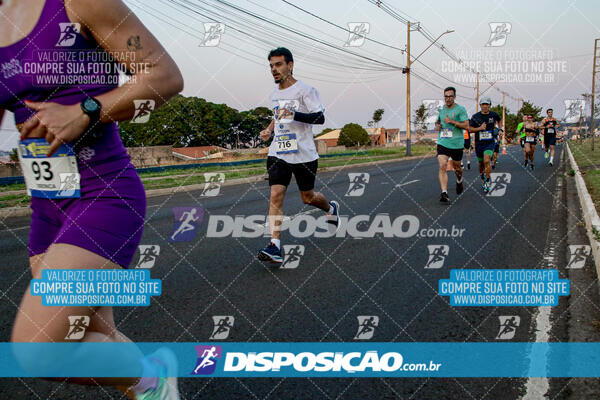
point(340, 278)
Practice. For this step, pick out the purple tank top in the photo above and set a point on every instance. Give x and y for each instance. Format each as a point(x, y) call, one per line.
point(55, 63)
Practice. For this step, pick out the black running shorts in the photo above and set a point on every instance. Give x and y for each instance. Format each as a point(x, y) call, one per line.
point(455, 154)
point(280, 173)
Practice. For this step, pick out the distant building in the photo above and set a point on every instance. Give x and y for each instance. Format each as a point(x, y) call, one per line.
point(379, 136)
point(199, 152)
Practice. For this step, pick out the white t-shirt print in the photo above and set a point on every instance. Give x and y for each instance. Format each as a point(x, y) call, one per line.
point(302, 98)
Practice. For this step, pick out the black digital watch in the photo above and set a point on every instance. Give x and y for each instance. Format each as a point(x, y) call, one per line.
point(92, 107)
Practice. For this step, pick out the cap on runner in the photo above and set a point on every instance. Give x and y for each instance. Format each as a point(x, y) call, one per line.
point(485, 100)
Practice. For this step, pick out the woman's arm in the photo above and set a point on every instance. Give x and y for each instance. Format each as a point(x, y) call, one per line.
point(154, 74)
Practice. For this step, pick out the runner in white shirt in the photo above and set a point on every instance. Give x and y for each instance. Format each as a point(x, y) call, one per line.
point(297, 107)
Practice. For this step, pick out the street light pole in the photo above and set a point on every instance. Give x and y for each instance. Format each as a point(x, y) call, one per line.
point(407, 72)
point(477, 99)
point(408, 64)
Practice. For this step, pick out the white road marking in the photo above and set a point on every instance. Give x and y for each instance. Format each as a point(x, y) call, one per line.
point(536, 388)
point(406, 183)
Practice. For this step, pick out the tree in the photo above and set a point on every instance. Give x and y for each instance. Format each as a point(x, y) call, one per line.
point(14, 155)
point(511, 120)
point(529, 109)
point(246, 126)
point(353, 135)
point(189, 121)
point(419, 119)
point(377, 116)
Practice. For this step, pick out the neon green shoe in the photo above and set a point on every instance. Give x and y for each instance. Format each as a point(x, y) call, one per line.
point(167, 381)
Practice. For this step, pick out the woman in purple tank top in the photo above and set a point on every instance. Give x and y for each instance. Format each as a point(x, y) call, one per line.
point(59, 76)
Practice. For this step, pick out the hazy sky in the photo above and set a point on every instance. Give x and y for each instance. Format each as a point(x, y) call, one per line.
point(556, 37)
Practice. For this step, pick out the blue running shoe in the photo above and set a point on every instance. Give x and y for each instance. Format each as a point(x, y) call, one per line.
point(486, 186)
point(167, 381)
point(271, 253)
point(334, 217)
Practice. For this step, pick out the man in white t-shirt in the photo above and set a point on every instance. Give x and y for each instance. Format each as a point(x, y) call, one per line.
point(297, 107)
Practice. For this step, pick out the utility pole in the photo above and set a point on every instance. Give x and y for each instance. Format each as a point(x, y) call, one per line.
point(503, 126)
point(594, 90)
point(477, 99)
point(408, 153)
point(406, 71)
point(580, 122)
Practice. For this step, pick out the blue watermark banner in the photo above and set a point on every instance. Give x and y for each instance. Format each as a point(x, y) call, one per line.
point(303, 359)
point(504, 287)
point(95, 287)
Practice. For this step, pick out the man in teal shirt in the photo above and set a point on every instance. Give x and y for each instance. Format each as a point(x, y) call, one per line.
point(522, 135)
point(452, 119)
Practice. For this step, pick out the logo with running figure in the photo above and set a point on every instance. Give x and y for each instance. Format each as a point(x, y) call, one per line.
point(207, 359)
point(212, 34)
point(86, 153)
point(11, 68)
point(366, 326)
point(223, 325)
point(437, 255)
point(358, 183)
point(143, 108)
point(508, 326)
point(186, 223)
point(212, 185)
point(499, 32)
point(77, 326)
point(578, 256)
point(148, 255)
point(358, 33)
point(499, 184)
point(291, 256)
point(69, 184)
point(432, 108)
point(68, 34)
point(574, 109)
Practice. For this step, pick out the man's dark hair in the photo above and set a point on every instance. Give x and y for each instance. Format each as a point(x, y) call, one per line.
point(549, 110)
point(281, 51)
point(450, 88)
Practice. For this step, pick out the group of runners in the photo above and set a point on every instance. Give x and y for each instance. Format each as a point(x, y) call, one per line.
point(99, 224)
point(456, 132)
point(531, 132)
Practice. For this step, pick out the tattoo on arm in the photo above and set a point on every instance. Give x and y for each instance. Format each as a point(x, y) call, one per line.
point(134, 43)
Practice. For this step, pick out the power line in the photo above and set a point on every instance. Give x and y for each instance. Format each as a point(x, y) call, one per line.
point(341, 27)
point(259, 37)
point(331, 79)
point(306, 36)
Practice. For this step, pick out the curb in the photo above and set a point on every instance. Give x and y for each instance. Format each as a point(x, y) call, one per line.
point(25, 211)
point(592, 221)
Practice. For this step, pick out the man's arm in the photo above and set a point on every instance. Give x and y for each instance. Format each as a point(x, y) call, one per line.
point(265, 134)
point(438, 123)
point(461, 124)
point(316, 118)
point(464, 124)
point(472, 128)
